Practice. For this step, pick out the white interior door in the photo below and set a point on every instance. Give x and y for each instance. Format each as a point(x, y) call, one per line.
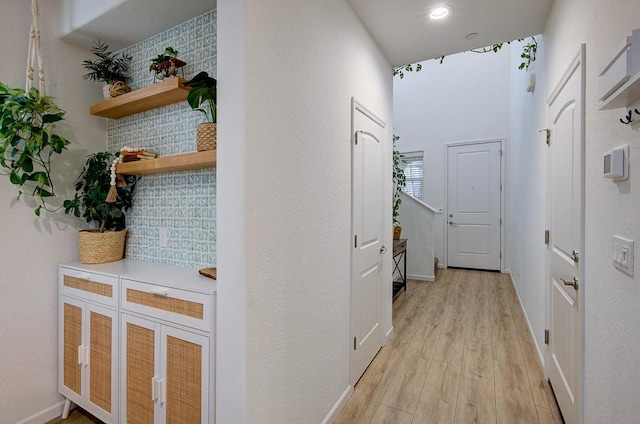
point(566, 238)
point(474, 205)
point(368, 211)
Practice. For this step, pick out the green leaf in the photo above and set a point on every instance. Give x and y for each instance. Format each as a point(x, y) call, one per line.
point(47, 119)
point(15, 179)
point(27, 164)
point(37, 210)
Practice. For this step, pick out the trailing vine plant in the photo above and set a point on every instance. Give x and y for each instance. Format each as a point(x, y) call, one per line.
point(528, 56)
point(28, 142)
point(399, 180)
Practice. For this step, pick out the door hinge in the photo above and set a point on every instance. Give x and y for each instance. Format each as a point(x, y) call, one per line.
point(500, 187)
point(355, 243)
point(500, 255)
point(546, 337)
point(354, 343)
point(548, 139)
point(500, 221)
point(500, 153)
point(547, 236)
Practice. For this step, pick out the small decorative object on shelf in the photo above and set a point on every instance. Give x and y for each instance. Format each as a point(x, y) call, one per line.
point(203, 91)
point(106, 243)
point(110, 68)
point(166, 65)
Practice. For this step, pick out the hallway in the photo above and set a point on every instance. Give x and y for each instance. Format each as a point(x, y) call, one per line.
point(461, 352)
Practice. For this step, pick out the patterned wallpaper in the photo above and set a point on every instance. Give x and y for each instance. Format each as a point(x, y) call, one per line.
point(183, 203)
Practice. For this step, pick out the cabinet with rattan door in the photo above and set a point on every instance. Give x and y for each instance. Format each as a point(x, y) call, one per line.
point(88, 342)
point(167, 347)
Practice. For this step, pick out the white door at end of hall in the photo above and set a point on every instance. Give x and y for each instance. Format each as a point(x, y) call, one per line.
point(474, 205)
point(368, 226)
point(566, 231)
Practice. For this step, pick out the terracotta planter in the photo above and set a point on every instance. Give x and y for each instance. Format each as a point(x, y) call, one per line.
point(98, 248)
point(396, 233)
point(206, 136)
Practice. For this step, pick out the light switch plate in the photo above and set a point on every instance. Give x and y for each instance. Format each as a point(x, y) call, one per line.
point(623, 254)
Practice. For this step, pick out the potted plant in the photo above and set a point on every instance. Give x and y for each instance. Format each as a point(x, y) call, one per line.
point(202, 92)
point(106, 242)
point(166, 64)
point(110, 69)
point(399, 182)
point(28, 142)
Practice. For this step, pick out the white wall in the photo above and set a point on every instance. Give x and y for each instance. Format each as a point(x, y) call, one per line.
point(612, 299)
point(31, 247)
point(289, 70)
point(526, 187)
point(612, 306)
point(466, 98)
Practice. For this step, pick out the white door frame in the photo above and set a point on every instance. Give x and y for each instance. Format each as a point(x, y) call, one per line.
point(503, 182)
point(387, 238)
point(578, 61)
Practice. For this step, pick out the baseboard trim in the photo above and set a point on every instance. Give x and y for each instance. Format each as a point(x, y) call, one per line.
point(526, 317)
point(421, 277)
point(441, 265)
point(45, 415)
point(337, 407)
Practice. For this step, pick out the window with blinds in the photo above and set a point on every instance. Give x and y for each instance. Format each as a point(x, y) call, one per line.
point(413, 164)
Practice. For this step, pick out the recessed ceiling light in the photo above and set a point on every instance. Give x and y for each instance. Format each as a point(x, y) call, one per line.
point(439, 12)
point(471, 35)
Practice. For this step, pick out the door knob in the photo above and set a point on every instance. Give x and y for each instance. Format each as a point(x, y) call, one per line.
point(450, 215)
point(451, 222)
point(383, 249)
point(573, 282)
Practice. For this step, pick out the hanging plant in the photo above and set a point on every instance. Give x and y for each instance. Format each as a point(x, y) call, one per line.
point(28, 142)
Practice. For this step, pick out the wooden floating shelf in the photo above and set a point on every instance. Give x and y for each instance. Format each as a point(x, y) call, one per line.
point(176, 163)
point(147, 98)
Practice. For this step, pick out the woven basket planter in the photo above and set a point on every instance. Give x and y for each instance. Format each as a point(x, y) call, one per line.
point(207, 134)
point(98, 248)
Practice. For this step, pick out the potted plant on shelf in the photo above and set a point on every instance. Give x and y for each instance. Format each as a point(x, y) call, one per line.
point(105, 243)
point(202, 92)
point(399, 182)
point(110, 69)
point(28, 142)
point(166, 64)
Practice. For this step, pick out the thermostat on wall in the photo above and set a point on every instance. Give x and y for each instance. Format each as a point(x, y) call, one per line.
point(616, 163)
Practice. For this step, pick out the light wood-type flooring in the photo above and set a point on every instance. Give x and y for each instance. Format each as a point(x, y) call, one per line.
point(77, 416)
point(461, 352)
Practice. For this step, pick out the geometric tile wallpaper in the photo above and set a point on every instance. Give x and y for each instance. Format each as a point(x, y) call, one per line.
point(183, 203)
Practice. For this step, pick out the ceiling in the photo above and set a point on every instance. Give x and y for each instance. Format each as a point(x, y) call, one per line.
point(400, 27)
point(125, 22)
point(406, 35)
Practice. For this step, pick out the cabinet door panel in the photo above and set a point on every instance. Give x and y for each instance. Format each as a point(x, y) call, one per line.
point(102, 371)
point(140, 340)
point(185, 362)
point(70, 382)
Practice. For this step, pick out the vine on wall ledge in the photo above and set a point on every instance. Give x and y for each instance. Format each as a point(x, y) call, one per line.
point(528, 56)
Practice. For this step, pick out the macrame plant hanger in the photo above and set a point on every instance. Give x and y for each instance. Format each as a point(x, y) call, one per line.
point(35, 50)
